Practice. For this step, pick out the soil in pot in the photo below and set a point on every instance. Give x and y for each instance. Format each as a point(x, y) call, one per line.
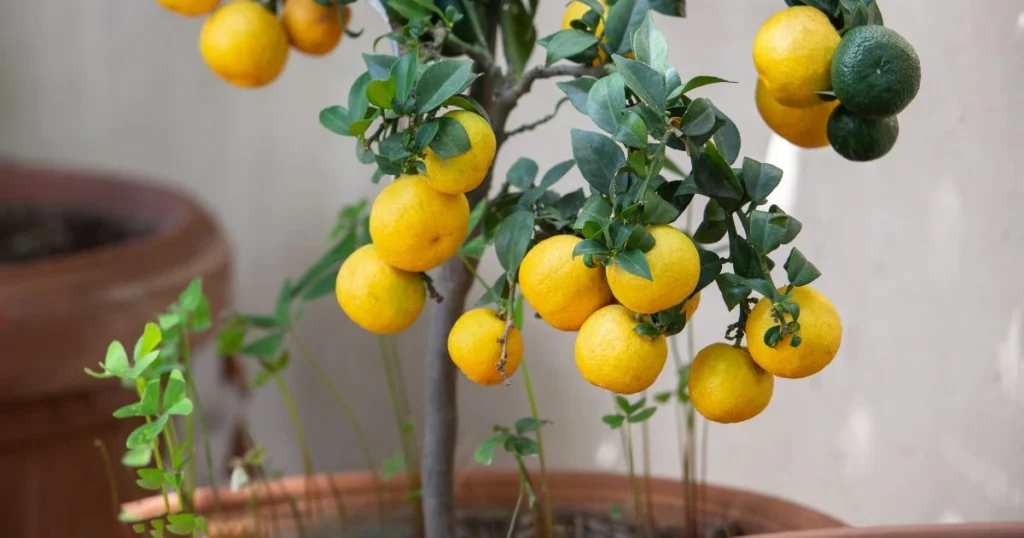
point(32, 232)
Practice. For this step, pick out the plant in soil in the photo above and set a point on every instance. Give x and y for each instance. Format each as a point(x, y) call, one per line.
point(607, 264)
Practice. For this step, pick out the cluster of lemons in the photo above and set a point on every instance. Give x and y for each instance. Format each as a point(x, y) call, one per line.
point(247, 45)
point(417, 222)
point(873, 72)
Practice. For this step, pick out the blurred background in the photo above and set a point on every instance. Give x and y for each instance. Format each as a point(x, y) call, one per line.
point(919, 418)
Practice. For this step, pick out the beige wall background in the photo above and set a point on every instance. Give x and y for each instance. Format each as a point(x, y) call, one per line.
point(918, 419)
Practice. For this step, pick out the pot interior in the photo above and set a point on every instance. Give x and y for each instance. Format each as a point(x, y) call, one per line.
point(32, 231)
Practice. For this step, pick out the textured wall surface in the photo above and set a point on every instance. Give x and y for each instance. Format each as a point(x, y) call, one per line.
point(919, 417)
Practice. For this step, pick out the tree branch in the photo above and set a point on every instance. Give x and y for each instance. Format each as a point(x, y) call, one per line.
point(533, 125)
point(509, 96)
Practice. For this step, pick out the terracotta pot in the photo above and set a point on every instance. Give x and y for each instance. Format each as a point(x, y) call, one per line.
point(939, 530)
point(57, 316)
point(482, 491)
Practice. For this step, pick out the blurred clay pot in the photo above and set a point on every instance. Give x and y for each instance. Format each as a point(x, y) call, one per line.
point(141, 245)
point(265, 509)
point(938, 530)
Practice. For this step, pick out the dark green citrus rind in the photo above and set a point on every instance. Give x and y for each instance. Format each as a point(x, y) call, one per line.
point(875, 72)
point(861, 139)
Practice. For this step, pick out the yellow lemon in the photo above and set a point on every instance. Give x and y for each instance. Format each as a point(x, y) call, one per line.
point(415, 227)
point(189, 8)
point(312, 28)
point(675, 266)
point(244, 44)
point(474, 345)
point(463, 173)
point(820, 334)
point(793, 54)
point(576, 10)
point(690, 306)
point(563, 290)
point(726, 385)
point(376, 296)
point(805, 127)
point(611, 355)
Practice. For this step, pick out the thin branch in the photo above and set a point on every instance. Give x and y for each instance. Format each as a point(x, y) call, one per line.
point(509, 96)
point(533, 125)
point(503, 340)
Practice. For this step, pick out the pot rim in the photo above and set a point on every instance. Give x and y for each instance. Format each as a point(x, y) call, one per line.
point(989, 529)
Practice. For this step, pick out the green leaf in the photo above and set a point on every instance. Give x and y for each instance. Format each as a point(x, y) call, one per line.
point(716, 179)
point(759, 179)
point(766, 231)
point(632, 130)
point(392, 466)
point(672, 8)
point(495, 292)
point(791, 225)
point(657, 210)
point(175, 391)
point(484, 453)
point(410, 10)
point(578, 91)
point(640, 238)
point(192, 296)
point(150, 479)
point(624, 17)
point(181, 524)
point(513, 238)
point(141, 365)
point(699, 118)
point(522, 173)
point(130, 410)
point(595, 210)
point(734, 289)
point(466, 103)
point(518, 35)
point(358, 104)
point(703, 80)
point(566, 44)
point(645, 82)
point(763, 287)
point(634, 262)
point(727, 137)
point(150, 338)
point(266, 347)
point(643, 415)
point(589, 247)
point(403, 75)
point(182, 408)
point(440, 81)
point(552, 176)
point(381, 93)
point(527, 425)
point(615, 421)
point(150, 401)
point(379, 65)
point(710, 268)
point(336, 120)
point(800, 271)
point(598, 157)
point(772, 336)
point(623, 403)
point(649, 45)
point(517, 311)
point(745, 258)
point(137, 457)
point(663, 397)
point(146, 433)
point(606, 101)
point(646, 329)
point(116, 360)
point(522, 446)
point(451, 139)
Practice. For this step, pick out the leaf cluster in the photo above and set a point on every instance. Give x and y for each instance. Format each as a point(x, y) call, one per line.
point(629, 413)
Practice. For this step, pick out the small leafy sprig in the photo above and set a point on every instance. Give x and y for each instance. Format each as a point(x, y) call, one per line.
point(519, 443)
point(627, 412)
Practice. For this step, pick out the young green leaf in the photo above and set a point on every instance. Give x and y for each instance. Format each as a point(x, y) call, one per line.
point(392, 466)
point(734, 289)
point(140, 366)
point(598, 157)
point(146, 433)
point(150, 479)
point(522, 173)
point(800, 271)
point(578, 90)
point(137, 457)
point(181, 524)
point(336, 120)
point(451, 139)
point(646, 83)
point(441, 80)
point(484, 453)
point(649, 45)
point(150, 338)
point(642, 415)
point(527, 425)
point(381, 93)
point(606, 101)
point(403, 74)
point(522, 446)
point(759, 179)
point(566, 44)
point(116, 361)
point(615, 421)
point(513, 239)
point(634, 262)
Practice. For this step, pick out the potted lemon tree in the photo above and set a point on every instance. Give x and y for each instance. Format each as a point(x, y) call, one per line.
point(607, 264)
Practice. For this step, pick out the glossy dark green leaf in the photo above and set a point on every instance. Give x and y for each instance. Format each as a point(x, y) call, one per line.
point(484, 453)
point(624, 17)
point(522, 173)
point(335, 119)
point(760, 179)
point(772, 336)
point(766, 232)
point(646, 329)
point(800, 271)
point(425, 135)
point(589, 246)
point(734, 289)
point(634, 262)
point(495, 292)
point(646, 83)
point(409, 9)
point(657, 210)
point(703, 80)
point(451, 139)
point(598, 157)
point(632, 131)
point(763, 287)
point(577, 90)
point(699, 118)
point(716, 179)
point(522, 446)
point(649, 45)
point(518, 35)
point(710, 268)
point(606, 101)
point(672, 8)
point(791, 225)
point(379, 65)
point(440, 81)
point(745, 259)
point(727, 138)
point(713, 227)
point(566, 44)
point(467, 103)
point(513, 238)
point(597, 210)
point(654, 121)
point(640, 238)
